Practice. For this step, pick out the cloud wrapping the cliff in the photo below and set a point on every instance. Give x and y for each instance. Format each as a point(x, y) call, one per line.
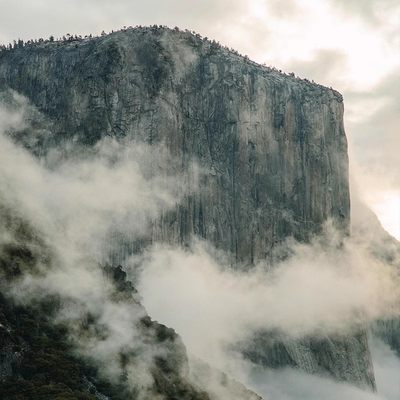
point(291, 384)
point(75, 206)
point(321, 289)
point(76, 199)
point(87, 194)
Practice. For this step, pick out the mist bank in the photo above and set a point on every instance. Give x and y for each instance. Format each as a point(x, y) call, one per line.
point(332, 286)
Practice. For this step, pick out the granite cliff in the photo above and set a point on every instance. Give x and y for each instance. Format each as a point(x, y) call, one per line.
point(274, 146)
point(271, 148)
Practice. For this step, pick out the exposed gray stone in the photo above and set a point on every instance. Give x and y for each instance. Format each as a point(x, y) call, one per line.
point(272, 146)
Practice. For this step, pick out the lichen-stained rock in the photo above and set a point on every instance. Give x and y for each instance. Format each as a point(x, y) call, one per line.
point(271, 148)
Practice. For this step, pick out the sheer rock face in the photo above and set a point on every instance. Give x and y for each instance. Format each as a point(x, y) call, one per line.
point(271, 148)
point(346, 358)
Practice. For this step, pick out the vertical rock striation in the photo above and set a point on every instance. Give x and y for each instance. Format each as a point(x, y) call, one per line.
point(272, 148)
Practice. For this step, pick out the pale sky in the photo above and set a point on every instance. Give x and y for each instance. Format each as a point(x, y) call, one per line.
point(351, 45)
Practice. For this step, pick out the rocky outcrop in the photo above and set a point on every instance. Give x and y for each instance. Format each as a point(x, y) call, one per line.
point(347, 358)
point(271, 147)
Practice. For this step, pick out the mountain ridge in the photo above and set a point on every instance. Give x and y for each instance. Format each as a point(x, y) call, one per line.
point(74, 41)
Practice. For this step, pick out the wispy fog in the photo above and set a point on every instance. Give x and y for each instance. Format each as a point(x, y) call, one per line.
point(74, 206)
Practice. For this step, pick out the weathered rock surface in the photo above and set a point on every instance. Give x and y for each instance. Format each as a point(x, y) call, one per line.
point(272, 147)
point(347, 358)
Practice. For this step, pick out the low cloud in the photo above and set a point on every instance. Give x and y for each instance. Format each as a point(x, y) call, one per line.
point(75, 203)
point(82, 196)
point(78, 198)
point(290, 384)
point(324, 288)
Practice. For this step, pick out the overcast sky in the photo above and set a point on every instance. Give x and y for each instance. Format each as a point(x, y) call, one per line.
point(351, 45)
